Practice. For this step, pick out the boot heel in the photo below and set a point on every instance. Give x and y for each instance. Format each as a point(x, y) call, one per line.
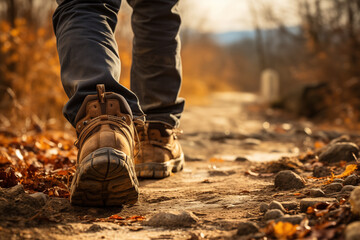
point(106, 178)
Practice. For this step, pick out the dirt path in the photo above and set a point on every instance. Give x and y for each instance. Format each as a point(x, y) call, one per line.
point(218, 140)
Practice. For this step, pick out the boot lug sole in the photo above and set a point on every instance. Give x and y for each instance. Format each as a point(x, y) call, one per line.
point(105, 178)
point(159, 170)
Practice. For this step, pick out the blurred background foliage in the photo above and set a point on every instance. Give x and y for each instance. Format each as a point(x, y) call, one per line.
point(317, 60)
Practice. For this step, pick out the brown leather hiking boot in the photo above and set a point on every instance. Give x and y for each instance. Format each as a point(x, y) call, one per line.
point(160, 152)
point(105, 174)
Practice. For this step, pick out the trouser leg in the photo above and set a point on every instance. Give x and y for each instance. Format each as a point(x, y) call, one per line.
point(156, 68)
point(87, 50)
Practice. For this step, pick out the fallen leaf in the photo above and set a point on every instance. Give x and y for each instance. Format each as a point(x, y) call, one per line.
point(117, 217)
point(348, 171)
point(216, 160)
point(285, 230)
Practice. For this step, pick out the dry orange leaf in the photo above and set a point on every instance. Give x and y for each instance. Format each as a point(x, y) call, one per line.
point(319, 144)
point(285, 230)
point(117, 217)
point(348, 171)
point(216, 160)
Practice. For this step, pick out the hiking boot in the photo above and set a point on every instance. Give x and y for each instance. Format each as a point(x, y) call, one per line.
point(105, 174)
point(160, 151)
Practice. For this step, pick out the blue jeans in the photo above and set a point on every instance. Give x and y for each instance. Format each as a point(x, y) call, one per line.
point(88, 55)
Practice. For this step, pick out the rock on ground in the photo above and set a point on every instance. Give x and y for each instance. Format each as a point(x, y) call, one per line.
point(286, 180)
point(321, 171)
point(15, 202)
point(355, 201)
point(341, 151)
point(351, 180)
point(310, 202)
point(290, 205)
point(293, 219)
point(277, 205)
point(172, 219)
point(352, 231)
point(333, 187)
point(264, 207)
point(316, 192)
point(246, 228)
point(347, 189)
point(273, 214)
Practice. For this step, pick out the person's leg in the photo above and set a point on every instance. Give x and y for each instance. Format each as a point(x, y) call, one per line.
point(156, 80)
point(87, 50)
point(156, 68)
point(105, 174)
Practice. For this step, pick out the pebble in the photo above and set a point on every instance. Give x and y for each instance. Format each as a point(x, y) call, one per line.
point(310, 202)
point(333, 187)
point(14, 191)
point(264, 207)
point(316, 192)
point(343, 138)
point(287, 179)
point(340, 151)
point(355, 201)
point(172, 219)
point(321, 171)
point(246, 228)
point(290, 205)
point(276, 205)
point(273, 214)
point(40, 197)
point(294, 219)
point(352, 231)
point(338, 180)
point(347, 189)
point(351, 180)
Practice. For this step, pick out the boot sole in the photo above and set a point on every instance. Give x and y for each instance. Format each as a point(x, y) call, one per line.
point(106, 177)
point(159, 170)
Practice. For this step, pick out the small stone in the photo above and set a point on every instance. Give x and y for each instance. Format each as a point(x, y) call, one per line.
point(305, 203)
point(95, 228)
point(343, 138)
point(316, 192)
point(286, 180)
point(355, 201)
point(40, 197)
point(273, 214)
point(338, 180)
point(264, 207)
point(277, 205)
point(246, 228)
point(293, 219)
point(290, 205)
point(341, 151)
point(321, 171)
point(241, 159)
point(172, 219)
point(352, 180)
point(15, 191)
point(333, 187)
point(352, 231)
point(347, 189)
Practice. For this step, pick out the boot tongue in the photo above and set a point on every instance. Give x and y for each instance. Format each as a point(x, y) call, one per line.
point(101, 100)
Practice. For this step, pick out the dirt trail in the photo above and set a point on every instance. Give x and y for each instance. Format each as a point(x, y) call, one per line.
point(219, 140)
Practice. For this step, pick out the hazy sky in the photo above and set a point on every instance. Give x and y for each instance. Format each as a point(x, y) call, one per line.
point(232, 15)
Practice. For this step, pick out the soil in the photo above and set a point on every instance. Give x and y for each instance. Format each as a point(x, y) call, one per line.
point(226, 144)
